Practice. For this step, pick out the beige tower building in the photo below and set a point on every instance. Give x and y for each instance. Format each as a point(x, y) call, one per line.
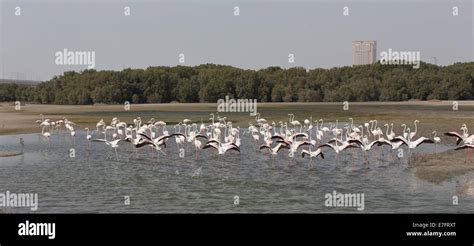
point(364, 52)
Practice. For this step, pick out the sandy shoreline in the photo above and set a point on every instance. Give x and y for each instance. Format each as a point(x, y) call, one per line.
point(443, 166)
point(23, 121)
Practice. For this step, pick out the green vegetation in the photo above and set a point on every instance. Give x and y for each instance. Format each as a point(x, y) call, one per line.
point(209, 82)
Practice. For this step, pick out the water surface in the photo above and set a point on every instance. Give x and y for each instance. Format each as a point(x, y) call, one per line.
point(94, 181)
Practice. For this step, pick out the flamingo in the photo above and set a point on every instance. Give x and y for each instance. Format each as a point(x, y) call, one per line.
point(259, 120)
point(338, 148)
point(468, 139)
point(276, 149)
point(99, 124)
point(325, 128)
point(465, 138)
point(45, 134)
point(88, 136)
point(461, 137)
point(180, 139)
point(373, 127)
point(366, 146)
point(312, 154)
point(405, 133)
point(221, 148)
point(390, 135)
point(187, 121)
point(198, 143)
point(412, 144)
point(412, 134)
point(353, 128)
point(43, 121)
point(73, 134)
point(112, 144)
point(436, 139)
point(293, 121)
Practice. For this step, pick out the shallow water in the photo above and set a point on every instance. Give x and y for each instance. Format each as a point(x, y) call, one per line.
point(94, 181)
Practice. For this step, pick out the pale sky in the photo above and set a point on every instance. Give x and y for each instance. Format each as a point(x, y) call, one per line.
point(263, 35)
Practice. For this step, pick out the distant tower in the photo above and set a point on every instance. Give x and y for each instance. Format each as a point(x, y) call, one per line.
point(364, 52)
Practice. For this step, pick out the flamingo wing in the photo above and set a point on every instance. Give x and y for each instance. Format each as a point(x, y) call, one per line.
point(213, 141)
point(282, 146)
point(210, 145)
point(232, 147)
point(201, 136)
point(297, 135)
point(383, 142)
point(335, 140)
point(278, 136)
point(465, 146)
point(144, 136)
point(422, 140)
point(327, 145)
point(454, 134)
point(264, 146)
point(305, 152)
point(400, 139)
point(99, 140)
point(320, 153)
point(348, 145)
point(357, 141)
point(144, 143)
point(303, 143)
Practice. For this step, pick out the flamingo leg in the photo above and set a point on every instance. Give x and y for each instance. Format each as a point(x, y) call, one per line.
point(467, 155)
point(409, 156)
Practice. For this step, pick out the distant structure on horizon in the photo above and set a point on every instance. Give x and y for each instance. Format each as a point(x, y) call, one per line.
point(364, 52)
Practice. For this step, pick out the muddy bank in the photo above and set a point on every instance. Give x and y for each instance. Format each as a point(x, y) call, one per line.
point(443, 166)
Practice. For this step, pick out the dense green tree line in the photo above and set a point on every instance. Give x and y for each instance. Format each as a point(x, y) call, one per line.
point(208, 83)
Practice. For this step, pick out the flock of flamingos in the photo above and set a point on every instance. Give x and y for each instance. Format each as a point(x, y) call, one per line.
point(308, 139)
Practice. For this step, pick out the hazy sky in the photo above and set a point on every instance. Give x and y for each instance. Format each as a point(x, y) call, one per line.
point(263, 35)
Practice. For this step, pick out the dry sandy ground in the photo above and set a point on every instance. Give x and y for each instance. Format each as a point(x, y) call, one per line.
point(433, 115)
point(440, 167)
